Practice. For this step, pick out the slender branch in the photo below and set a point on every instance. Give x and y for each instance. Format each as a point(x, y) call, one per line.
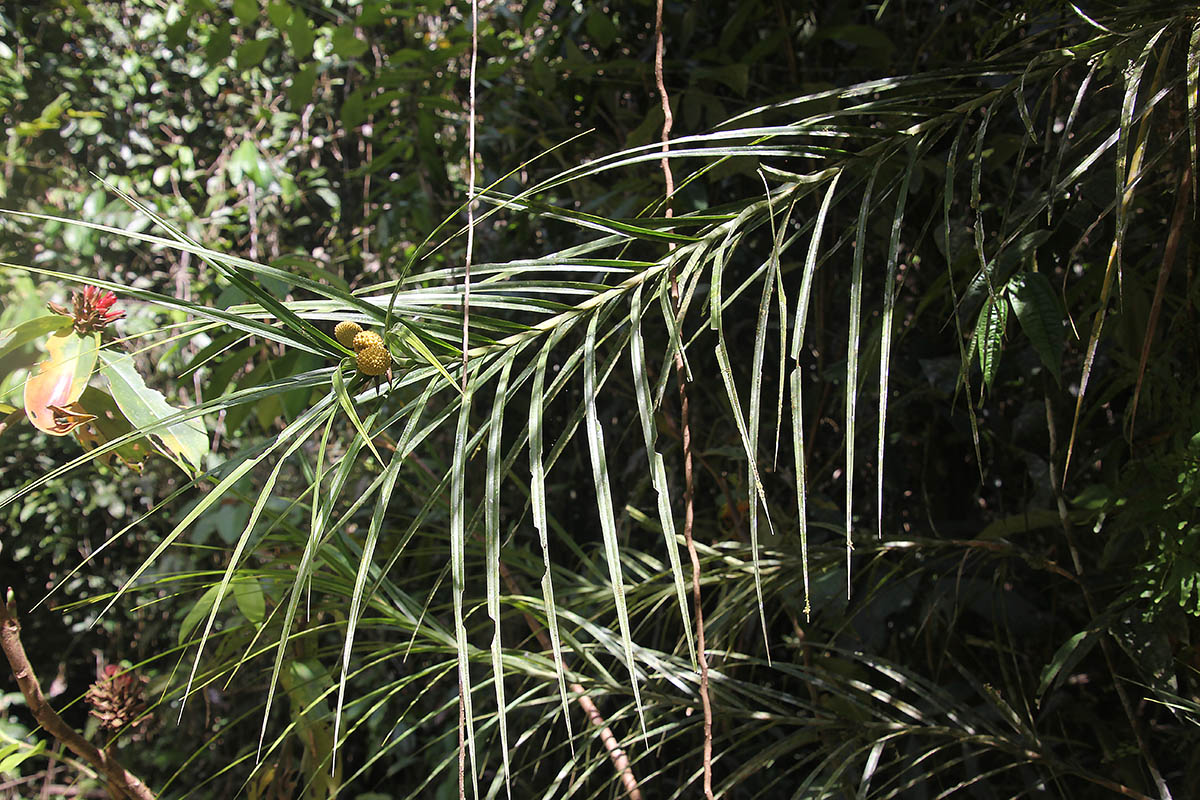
point(470, 192)
point(462, 715)
point(689, 491)
point(1179, 220)
point(119, 778)
point(615, 754)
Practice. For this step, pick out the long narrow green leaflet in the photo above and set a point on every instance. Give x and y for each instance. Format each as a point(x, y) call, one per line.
point(347, 403)
point(722, 353)
point(411, 339)
point(537, 500)
point(885, 336)
point(365, 563)
point(756, 369)
point(604, 505)
point(1126, 180)
point(810, 268)
point(458, 567)
point(289, 318)
point(269, 332)
point(492, 547)
point(658, 471)
point(1127, 170)
point(802, 484)
point(852, 340)
point(212, 497)
point(306, 425)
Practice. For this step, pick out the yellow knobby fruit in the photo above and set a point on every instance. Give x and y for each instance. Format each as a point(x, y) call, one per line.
point(346, 331)
point(367, 339)
point(374, 360)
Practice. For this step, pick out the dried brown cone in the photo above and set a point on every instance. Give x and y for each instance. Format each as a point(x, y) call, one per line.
point(346, 331)
point(118, 701)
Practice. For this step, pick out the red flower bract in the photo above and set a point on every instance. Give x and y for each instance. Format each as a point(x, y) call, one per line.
point(92, 309)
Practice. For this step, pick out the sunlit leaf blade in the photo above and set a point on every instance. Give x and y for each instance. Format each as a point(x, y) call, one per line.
point(304, 429)
point(109, 425)
point(1065, 658)
point(365, 564)
point(658, 471)
point(716, 321)
point(802, 484)
point(537, 499)
point(1127, 174)
point(458, 572)
point(885, 336)
point(604, 506)
point(216, 494)
point(31, 330)
point(146, 408)
point(492, 552)
point(852, 347)
point(347, 403)
point(989, 336)
point(1193, 101)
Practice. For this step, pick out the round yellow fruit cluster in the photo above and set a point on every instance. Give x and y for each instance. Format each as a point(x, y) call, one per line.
point(372, 356)
point(366, 340)
point(374, 360)
point(346, 331)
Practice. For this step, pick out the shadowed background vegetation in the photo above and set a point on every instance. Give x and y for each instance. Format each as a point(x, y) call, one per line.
point(980, 214)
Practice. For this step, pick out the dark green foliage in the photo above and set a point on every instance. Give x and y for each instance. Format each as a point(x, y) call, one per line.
point(865, 193)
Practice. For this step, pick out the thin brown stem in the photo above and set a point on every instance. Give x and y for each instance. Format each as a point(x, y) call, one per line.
point(618, 757)
point(689, 490)
point(120, 780)
point(1179, 220)
point(470, 192)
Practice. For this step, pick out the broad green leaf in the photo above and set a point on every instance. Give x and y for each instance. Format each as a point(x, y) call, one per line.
point(300, 35)
point(248, 594)
point(110, 424)
point(58, 381)
point(251, 53)
point(600, 27)
point(1037, 311)
point(198, 612)
point(246, 11)
point(1066, 657)
point(346, 44)
point(300, 93)
point(989, 336)
point(13, 756)
point(31, 330)
point(280, 14)
point(147, 409)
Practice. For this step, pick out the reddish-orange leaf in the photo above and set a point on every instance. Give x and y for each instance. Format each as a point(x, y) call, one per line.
point(58, 381)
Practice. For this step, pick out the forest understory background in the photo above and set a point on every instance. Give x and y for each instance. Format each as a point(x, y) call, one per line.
point(927, 276)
